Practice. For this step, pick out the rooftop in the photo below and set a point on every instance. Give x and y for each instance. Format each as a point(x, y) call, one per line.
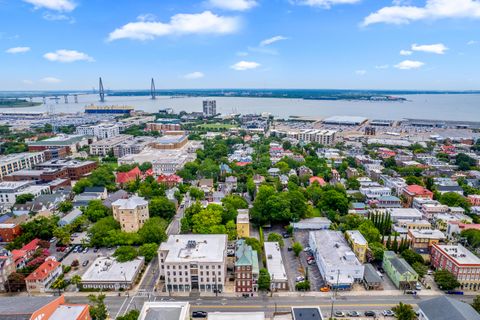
point(106, 269)
point(399, 264)
point(195, 247)
point(427, 234)
point(459, 253)
point(43, 270)
point(446, 308)
point(334, 249)
point(164, 311)
point(304, 313)
point(356, 237)
point(130, 203)
point(59, 140)
point(274, 261)
point(67, 312)
point(345, 120)
point(18, 156)
point(9, 306)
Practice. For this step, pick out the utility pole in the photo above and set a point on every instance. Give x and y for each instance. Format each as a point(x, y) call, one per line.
point(334, 294)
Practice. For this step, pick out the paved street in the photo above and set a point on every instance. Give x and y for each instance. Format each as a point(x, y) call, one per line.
point(120, 305)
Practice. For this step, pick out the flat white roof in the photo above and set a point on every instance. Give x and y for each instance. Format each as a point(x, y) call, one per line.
point(106, 269)
point(67, 312)
point(165, 311)
point(405, 212)
point(236, 316)
point(274, 261)
point(184, 248)
point(459, 253)
point(130, 203)
point(356, 237)
point(427, 234)
point(334, 249)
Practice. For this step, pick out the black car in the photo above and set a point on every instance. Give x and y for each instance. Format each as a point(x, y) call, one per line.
point(85, 263)
point(199, 314)
point(369, 314)
point(286, 235)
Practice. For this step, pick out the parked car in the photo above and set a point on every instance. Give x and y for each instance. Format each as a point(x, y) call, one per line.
point(199, 314)
point(86, 250)
point(430, 272)
point(353, 314)
point(286, 235)
point(95, 250)
point(324, 289)
point(307, 249)
point(418, 286)
point(85, 263)
point(339, 314)
point(230, 252)
point(300, 279)
point(53, 240)
point(369, 313)
point(290, 249)
point(388, 313)
point(455, 292)
point(310, 262)
point(411, 292)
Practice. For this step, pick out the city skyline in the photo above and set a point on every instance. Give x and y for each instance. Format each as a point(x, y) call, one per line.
point(351, 44)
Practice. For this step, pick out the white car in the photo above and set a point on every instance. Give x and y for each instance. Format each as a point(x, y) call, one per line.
point(307, 249)
point(300, 279)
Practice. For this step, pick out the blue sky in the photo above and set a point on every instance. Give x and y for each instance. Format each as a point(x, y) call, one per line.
point(357, 44)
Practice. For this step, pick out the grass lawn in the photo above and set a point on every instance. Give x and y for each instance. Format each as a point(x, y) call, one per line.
point(216, 126)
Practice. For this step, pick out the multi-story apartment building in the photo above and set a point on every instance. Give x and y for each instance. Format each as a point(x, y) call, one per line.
point(162, 127)
point(337, 263)
point(194, 262)
point(464, 265)
point(131, 146)
point(243, 224)
point(209, 108)
point(40, 280)
point(9, 191)
point(246, 268)
point(19, 161)
point(474, 200)
point(325, 137)
point(416, 191)
point(399, 271)
point(275, 266)
point(421, 241)
point(373, 193)
point(131, 213)
point(358, 244)
point(101, 131)
point(103, 147)
point(396, 184)
point(70, 143)
point(75, 169)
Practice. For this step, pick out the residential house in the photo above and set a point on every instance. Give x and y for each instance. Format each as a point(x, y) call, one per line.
point(358, 244)
point(40, 280)
point(131, 213)
point(446, 308)
point(416, 191)
point(246, 268)
point(7, 267)
point(399, 271)
point(243, 223)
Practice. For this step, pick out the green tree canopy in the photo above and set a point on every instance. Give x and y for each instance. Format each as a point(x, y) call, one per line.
point(161, 207)
point(125, 253)
point(404, 312)
point(446, 280)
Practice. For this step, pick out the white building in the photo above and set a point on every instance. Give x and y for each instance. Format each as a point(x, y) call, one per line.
point(325, 137)
point(404, 214)
point(337, 263)
point(10, 190)
point(236, 316)
point(108, 273)
point(375, 192)
point(104, 146)
point(194, 261)
point(275, 266)
point(168, 165)
point(19, 161)
point(396, 184)
point(162, 310)
point(101, 131)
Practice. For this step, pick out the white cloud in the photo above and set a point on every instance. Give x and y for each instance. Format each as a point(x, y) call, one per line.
point(405, 52)
point(433, 9)
point(56, 5)
point(50, 80)
point(67, 56)
point(438, 48)
point(200, 23)
point(245, 65)
point(383, 66)
point(327, 4)
point(194, 75)
point(57, 17)
point(18, 50)
point(235, 5)
point(27, 82)
point(361, 72)
point(409, 64)
point(272, 40)
point(471, 42)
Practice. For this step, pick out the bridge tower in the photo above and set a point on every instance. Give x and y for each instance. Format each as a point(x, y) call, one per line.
point(152, 90)
point(101, 91)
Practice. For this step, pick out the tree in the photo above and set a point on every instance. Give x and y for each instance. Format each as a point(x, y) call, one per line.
point(476, 303)
point(446, 280)
point(411, 257)
point(15, 282)
point(377, 250)
point(353, 184)
point(465, 162)
point(76, 280)
point(208, 218)
point(62, 234)
point(264, 280)
point(125, 253)
point(414, 180)
point(98, 310)
point(368, 230)
point(231, 229)
point(420, 269)
point(453, 199)
point(65, 206)
point(334, 200)
point(297, 248)
point(148, 251)
point(275, 237)
point(255, 244)
point(161, 207)
point(101, 230)
point(197, 194)
point(24, 198)
point(81, 184)
point(131, 315)
point(404, 312)
point(96, 210)
point(153, 231)
point(303, 286)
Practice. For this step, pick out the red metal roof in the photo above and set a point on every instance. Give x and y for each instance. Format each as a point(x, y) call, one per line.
point(31, 246)
point(132, 175)
point(43, 271)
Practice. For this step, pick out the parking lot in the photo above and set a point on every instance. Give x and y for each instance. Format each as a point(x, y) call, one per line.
point(314, 276)
point(82, 257)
